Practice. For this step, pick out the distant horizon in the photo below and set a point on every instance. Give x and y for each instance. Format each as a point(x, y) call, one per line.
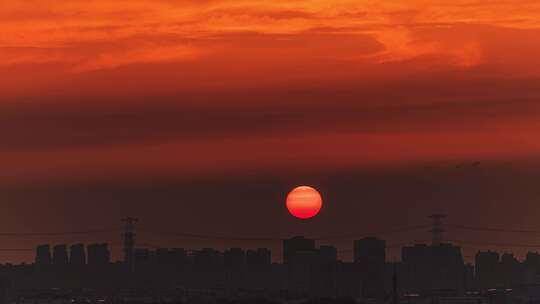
point(393, 248)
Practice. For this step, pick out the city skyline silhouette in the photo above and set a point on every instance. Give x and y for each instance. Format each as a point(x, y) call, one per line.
point(308, 268)
point(271, 152)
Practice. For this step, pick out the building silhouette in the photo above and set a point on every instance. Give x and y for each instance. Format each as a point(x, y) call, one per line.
point(433, 268)
point(297, 245)
point(234, 259)
point(370, 256)
point(77, 255)
point(163, 256)
point(469, 277)
point(98, 254)
point(143, 259)
point(510, 270)
point(60, 255)
point(259, 257)
point(178, 256)
point(487, 269)
point(207, 259)
point(531, 268)
point(324, 271)
point(43, 255)
point(327, 254)
point(436, 272)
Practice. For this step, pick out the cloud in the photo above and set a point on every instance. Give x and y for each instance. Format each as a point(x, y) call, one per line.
point(362, 107)
point(142, 54)
point(54, 24)
point(237, 70)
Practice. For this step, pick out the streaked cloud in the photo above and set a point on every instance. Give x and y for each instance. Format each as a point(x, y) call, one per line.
point(215, 72)
point(44, 27)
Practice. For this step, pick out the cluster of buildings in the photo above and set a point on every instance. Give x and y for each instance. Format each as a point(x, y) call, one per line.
point(495, 270)
point(307, 270)
point(93, 255)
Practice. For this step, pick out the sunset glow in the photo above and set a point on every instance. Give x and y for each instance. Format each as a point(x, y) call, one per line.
point(139, 95)
point(338, 71)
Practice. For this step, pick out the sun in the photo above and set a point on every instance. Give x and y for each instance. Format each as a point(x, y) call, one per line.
point(304, 202)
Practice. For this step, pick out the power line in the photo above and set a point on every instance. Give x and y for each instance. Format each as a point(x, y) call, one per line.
point(496, 244)
point(373, 233)
point(462, 227)
point(15, 249)
point(183, 235)
point(28, 234)
point(240, 238)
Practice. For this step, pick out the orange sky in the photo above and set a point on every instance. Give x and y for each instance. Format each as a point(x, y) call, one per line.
point(113, 90)
point(47, 45)
point(348, 56)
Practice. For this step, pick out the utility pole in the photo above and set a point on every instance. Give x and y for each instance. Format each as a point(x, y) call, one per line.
point(129, 242)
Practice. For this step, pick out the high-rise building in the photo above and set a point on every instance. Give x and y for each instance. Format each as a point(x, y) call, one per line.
point(296, 245)
point(300, 256)
point(532, 258)
point(43, 255)
point(433, 268)
point(487, 269)
point(370, 257)
point(300, 268)
point(60, 255)
point(323, 272)
point(531, 268)
point(510, 269)
point(77, 255)
point(98, 254)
